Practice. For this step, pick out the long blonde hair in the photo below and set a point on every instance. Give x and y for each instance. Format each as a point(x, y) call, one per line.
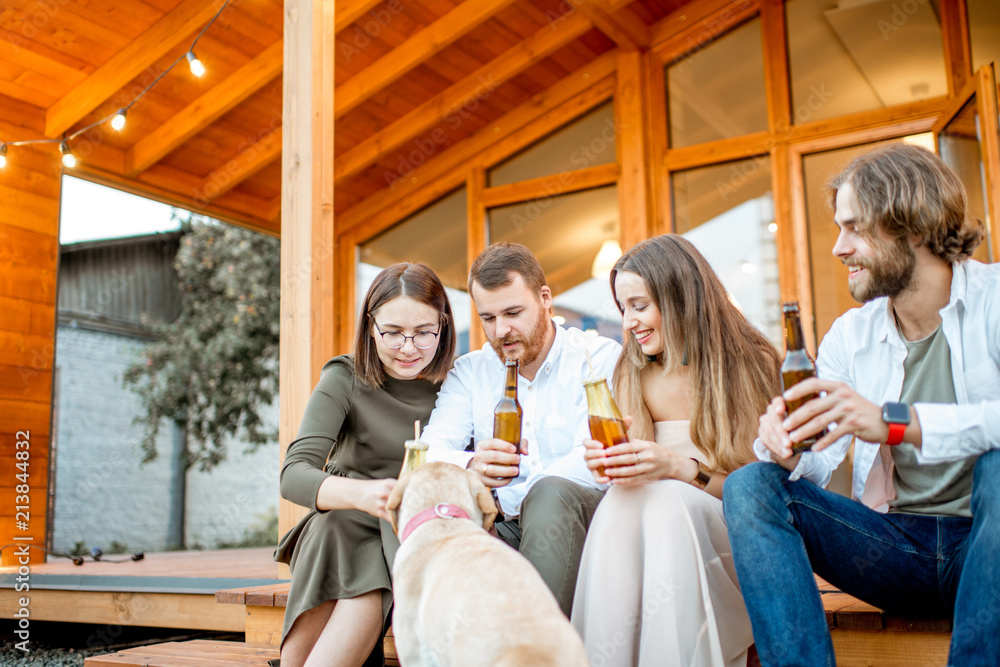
point(734, 369)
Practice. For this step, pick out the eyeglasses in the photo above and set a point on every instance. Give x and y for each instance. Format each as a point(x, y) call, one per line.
point(422, 340)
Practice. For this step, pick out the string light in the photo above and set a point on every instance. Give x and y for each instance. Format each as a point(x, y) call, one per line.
point(118, 118)
point(68, 159)
point(118, 122)
point(197, 67)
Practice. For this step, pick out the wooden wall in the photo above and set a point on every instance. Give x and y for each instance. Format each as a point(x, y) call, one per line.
point(29, 257)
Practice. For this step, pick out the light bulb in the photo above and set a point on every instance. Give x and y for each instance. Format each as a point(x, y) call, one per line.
point(68, 159)
point(3, 155)
point(197, 67)
point(118, 122)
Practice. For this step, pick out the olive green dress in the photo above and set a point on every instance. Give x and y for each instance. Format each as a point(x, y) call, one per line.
point(340, 554)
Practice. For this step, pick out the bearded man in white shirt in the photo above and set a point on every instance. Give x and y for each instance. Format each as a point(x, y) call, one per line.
point(547, 493)
point(914, 377)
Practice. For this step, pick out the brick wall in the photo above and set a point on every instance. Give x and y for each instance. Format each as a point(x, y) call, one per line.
point(103, 494)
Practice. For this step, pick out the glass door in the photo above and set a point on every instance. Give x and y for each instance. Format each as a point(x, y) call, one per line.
point(967, 138)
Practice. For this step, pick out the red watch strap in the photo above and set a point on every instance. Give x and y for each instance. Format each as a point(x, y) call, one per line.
point(896, 432)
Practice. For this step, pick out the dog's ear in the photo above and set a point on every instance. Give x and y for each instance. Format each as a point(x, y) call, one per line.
point(392, 505)
point(483, 497)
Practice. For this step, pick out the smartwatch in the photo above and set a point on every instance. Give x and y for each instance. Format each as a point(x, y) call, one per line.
point(897, 416)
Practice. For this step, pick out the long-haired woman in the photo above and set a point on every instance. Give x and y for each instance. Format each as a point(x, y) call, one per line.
point(344, 462)
point(657, 584)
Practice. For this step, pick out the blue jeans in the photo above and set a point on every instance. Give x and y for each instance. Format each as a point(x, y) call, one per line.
point(909, 565)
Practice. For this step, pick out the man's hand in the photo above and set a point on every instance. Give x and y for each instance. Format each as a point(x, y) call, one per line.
point(853, 414)
point(496, 461)
point(774, 436)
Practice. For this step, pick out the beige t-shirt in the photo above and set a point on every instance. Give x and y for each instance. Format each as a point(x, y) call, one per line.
point(940, 488)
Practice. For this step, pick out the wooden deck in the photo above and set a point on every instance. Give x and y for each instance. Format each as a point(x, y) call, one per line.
point(168, 590)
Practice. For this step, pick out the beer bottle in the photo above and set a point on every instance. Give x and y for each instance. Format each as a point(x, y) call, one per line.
point(415, 456)
point(796, 367)
point(606, 424)
point(507, 414)
point(415, 451)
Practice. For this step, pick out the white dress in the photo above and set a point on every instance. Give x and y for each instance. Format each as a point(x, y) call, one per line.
point(657, 585)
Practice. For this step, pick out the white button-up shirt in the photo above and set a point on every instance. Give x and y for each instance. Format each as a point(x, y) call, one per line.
point(863, 349)
point(554, 405)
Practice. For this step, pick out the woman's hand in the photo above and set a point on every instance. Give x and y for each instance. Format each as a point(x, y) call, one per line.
point(372, 496)
point(635, 462)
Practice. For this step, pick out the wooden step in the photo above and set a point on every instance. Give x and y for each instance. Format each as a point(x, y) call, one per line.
point(265, 616)
point(864, 635)
point(195, 652)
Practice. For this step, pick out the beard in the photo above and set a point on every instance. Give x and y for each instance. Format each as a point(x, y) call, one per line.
point(889, 273)
point(533, 344)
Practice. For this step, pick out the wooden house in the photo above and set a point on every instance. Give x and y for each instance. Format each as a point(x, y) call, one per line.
point(366, 131)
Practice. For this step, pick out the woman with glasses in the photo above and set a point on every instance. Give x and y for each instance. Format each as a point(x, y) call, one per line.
point(344, 462)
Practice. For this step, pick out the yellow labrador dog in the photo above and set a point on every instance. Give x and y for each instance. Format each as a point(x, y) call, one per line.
point(462, 597)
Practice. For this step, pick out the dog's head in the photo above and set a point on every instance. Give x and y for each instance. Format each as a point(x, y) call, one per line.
point(437, 482)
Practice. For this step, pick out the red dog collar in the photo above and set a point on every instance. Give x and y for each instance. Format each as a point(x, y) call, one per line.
point(439, 511)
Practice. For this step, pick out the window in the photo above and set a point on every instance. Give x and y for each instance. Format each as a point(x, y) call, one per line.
point(959, 147)
point(566, 233)
point(718, 91)
point(435, 236)
point(727, 212)
point(586, 142)
point(853, 56)
point(984, 32)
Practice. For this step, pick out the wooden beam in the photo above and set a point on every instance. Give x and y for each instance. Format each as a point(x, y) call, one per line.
point(687, 28)
point(626, 29)
point(551, 186)
point(417, 49)
point(660, 212)
point(478, 85)
point(955, 41)
point(308, 315)
point(776, 69)
point(196, 116)
point(990, 151)
point(157, 610)
point(474, 149)
point(248, 162)
point(722, 150)
point(349, 11)
point(633, 149)
point(477, 240)
point(159, 39)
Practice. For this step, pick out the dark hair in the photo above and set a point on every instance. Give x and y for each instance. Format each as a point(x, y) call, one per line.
point(494, 266)
point(420, 283)
point(734, 369)
point(905, 191)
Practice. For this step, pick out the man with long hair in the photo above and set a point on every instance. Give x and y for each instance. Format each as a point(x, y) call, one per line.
point(913, 377)
point(546, 492)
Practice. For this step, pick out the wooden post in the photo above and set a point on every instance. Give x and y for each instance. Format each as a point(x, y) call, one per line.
point(476, 242)
point(29, 257)
point(307, 250)
point(633, 148)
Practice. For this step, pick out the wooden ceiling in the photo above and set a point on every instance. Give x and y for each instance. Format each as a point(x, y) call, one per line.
point(413, 79)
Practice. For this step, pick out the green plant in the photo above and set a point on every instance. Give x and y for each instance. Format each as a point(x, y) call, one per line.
point(214, 366)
